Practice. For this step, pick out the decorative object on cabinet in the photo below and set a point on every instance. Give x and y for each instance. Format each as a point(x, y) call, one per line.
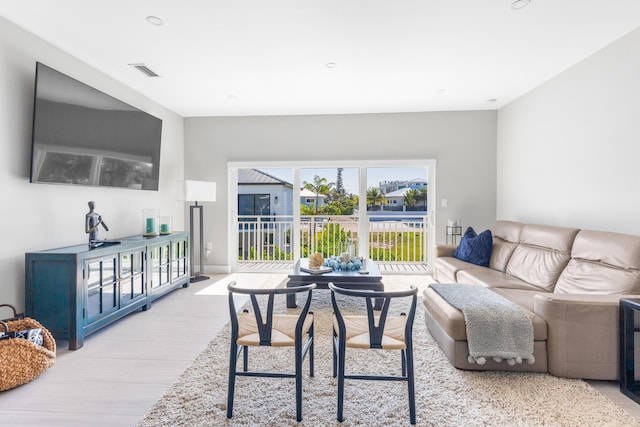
point(74, 291)
point(22, 359)
point(92, 223)
point(150, 222)
point(165, 225)
point(198, 191)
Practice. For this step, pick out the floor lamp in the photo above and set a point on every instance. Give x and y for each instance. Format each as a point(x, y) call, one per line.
point(198, 191)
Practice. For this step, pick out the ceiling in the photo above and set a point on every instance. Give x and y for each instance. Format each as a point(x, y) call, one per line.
point(257, 57)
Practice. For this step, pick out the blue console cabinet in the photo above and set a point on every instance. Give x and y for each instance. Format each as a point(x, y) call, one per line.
point(75, 290)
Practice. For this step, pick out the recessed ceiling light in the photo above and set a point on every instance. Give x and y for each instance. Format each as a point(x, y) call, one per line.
point(232, 97)
point(492, 100)
point(330, 65)
point(519, 4)
point(145, 70)
point(441, 91)
point(154, 20)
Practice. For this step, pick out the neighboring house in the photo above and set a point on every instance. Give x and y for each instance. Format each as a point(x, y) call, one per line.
point(394, 191)
point(391, 186)
point(395, 202)
point(308, 198)
point(262, 194)
point(396, 198)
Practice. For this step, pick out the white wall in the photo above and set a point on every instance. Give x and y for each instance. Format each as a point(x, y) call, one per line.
point(38, 216)
point(462, 143)
point(568, 151)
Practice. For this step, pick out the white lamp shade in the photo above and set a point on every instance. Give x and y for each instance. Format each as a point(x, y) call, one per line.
point(200, 191)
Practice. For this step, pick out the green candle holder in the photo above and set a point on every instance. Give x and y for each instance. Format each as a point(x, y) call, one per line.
point(165, 225)
point(150, 222)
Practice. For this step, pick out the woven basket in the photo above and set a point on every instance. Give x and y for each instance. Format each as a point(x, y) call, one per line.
point(21, 360)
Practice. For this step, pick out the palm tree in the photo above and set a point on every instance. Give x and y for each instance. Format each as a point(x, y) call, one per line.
point(422, 197)
point(319, 186)
point(375, 197)
point(306, 210)
point(339, 182)
point(411, 197)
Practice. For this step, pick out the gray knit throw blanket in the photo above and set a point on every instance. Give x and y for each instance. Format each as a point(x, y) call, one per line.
point(496, 327)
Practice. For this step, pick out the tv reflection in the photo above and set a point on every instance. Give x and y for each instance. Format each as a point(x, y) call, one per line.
point(56, 165)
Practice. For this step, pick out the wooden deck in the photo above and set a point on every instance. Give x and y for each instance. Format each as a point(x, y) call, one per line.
point(286, 266)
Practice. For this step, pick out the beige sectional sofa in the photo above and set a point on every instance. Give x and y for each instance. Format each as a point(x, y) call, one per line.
point(568, 281)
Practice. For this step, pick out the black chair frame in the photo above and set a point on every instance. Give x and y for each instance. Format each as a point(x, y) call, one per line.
point(375, 338)
point(264, 330)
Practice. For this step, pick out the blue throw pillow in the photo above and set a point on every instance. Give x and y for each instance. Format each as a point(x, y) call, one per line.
point(475, 248)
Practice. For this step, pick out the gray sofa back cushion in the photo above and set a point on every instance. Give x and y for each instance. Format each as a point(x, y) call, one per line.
point(542, 255)
point(602, 263)
point(506, 236)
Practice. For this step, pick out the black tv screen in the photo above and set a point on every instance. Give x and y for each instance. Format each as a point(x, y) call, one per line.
point(86, 137)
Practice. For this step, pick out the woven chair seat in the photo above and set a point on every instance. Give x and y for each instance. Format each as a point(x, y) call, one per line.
point(358, 332)
point(282, 334)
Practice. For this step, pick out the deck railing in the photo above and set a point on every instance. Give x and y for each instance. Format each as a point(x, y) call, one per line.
point(265, 238)
point(399, 239)
point(402, 238)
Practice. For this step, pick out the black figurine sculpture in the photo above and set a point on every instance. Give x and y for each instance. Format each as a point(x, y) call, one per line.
point(93, 220)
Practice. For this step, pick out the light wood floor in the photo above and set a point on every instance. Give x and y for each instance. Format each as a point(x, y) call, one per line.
point(124, 368)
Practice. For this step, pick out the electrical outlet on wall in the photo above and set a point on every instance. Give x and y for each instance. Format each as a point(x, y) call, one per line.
point(207, 251)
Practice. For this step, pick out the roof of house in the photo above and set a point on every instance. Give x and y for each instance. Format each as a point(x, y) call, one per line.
point(258, 177)
point(397, 193)
point(306, 193)
point(417, 181)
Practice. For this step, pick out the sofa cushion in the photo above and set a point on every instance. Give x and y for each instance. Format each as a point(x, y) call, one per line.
point(523, 297)
point(542, 254)
point(509, 231)
point(446, 268)
point(506, 236)
point(501, 253)
point(448, 317)
point(452, 320)
point(475, 248)
point(491, 279)
point(602, 263)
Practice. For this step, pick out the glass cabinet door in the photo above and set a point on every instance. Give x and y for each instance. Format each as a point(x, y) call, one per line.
point(101, 287)
point(132, 275)
point(160, 265)
point(179, 260)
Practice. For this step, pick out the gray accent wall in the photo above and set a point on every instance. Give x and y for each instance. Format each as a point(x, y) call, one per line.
point(42, 216)
point(569, 150)
point(462, 143)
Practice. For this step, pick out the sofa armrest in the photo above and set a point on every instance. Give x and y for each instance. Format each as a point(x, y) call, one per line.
point(582, 334)
point(445, 250)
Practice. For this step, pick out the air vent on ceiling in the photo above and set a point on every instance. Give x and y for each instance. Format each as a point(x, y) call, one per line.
point(145, 70)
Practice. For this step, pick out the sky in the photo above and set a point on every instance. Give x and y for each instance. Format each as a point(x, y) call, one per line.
point(350, 175)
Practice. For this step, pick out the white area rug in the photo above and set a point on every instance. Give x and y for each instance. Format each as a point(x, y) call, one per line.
point(445, 396)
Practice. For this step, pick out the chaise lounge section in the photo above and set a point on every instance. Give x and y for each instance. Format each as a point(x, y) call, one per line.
point(569, 283)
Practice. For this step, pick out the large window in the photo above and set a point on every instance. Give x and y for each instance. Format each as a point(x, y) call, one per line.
point(254, 204)
point(380, 207)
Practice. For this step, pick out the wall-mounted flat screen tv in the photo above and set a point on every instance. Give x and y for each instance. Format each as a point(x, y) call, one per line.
point(86, 137)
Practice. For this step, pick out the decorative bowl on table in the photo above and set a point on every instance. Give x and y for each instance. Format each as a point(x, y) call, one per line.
point(337, 263)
